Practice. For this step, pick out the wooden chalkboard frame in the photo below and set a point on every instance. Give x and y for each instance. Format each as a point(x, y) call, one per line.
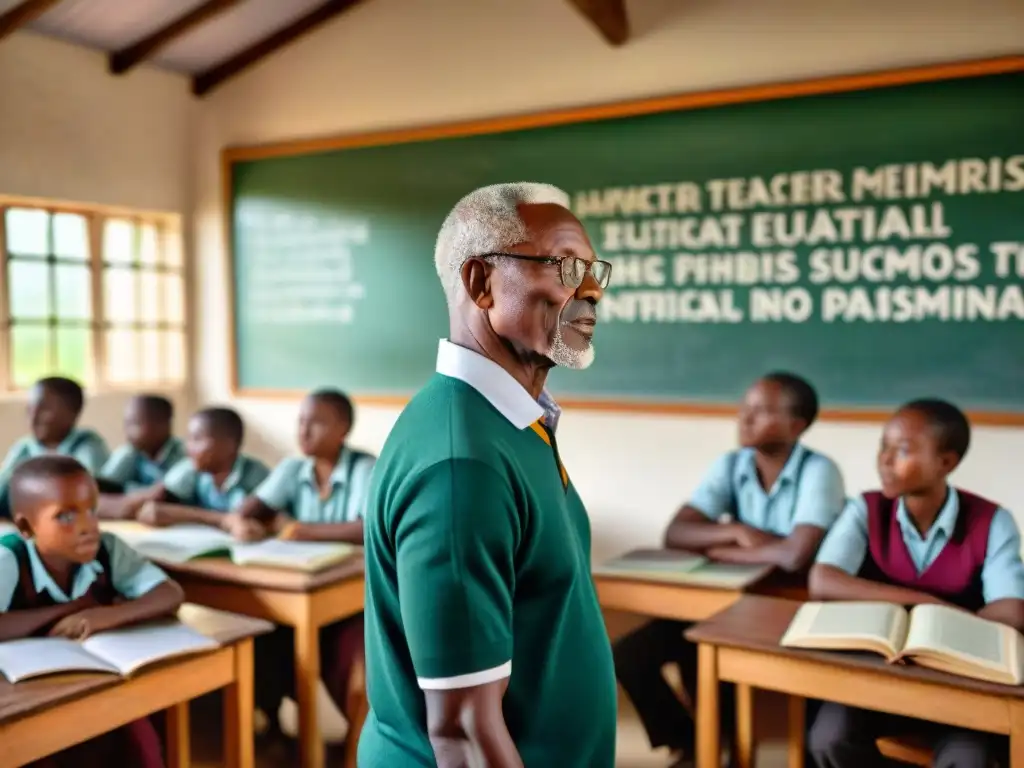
point(673, 103)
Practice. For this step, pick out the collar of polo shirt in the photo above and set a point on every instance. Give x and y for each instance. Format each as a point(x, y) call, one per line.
point(492, 381)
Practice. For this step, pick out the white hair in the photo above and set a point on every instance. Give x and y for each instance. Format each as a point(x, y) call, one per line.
point(486, 221)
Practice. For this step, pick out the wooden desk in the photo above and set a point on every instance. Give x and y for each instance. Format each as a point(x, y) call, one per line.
point(303, 601)
point(43, 716)
point(741, 645)
point(696, 599)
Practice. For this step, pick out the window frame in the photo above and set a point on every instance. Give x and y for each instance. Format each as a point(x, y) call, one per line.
point(167, 225)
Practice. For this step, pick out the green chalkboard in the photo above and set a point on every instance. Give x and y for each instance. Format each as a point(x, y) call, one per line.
point(871, 240)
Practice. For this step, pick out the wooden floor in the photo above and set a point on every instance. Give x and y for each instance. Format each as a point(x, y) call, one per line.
point(633, 750)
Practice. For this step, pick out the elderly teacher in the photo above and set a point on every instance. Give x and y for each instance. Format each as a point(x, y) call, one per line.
point(485, 643)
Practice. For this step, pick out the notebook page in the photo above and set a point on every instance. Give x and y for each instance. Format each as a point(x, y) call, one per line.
point(643, 561)
point(297, 554)
point(181, 543)
point(960, 634)
point(36, 656)
point(131, 648)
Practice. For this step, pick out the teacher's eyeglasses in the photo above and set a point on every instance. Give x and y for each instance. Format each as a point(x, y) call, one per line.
point(572, 269)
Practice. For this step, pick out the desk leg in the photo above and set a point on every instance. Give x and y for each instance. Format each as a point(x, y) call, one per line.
point(307, 683)
point(796, 729)
point(178, 748)
point(238, 711)
point(1016, 733)
point(744, 726)
point(709, 749)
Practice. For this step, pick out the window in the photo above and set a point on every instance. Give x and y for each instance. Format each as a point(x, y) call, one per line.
point(92, 295)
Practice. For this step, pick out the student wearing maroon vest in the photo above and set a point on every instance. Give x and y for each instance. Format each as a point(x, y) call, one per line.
point(770, 502)
point(918, 541)
point(62, 577)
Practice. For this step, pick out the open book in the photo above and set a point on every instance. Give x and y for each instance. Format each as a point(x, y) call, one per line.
point(932, 636)
point(654, 561)
point(180, 543)
point(120, 651)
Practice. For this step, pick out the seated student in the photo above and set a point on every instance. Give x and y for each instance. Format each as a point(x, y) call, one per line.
point(316, 498)
point(782, 497)
point(151, 449)
point(214, 479)
point(63, 577)
point(918, 540)
point(54, 405)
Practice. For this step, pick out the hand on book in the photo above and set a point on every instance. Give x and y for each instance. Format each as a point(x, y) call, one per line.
point(80, 625)
point(244, 528)
point(153, 515)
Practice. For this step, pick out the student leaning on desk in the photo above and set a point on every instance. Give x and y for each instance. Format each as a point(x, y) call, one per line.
point(782, 496)
point(214, 479)
point(918, 540)
point(318, 497)
point(54, 406)
point(62, 577)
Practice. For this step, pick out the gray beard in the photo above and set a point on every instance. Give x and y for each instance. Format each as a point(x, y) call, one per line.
point(567, 357)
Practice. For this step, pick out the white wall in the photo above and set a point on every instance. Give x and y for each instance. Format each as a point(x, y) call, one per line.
point(69, 131)
point(395, 63)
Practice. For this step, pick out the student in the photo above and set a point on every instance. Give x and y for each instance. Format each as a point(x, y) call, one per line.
point(918, 540)
point(781, 496)
point(54, 405)
point(150, 451)
point(214, 479)
point(62, 577)
point(316, 498)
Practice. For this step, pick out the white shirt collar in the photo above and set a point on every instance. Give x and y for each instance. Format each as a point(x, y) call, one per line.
point(491, 380)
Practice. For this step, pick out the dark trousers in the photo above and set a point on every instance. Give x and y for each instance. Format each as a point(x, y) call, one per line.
point(844, 737)
point(135, 745)
point(341, 645)
point(639, 658)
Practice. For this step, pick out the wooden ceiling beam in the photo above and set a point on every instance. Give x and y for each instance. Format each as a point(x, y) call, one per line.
point(20, 15)
point(204, 82)
point(609, 16)
point(130, 56)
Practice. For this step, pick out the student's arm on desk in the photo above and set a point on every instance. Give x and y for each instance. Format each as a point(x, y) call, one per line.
point(145, 591)
point(791, 554)
point(826, 582)
point(691, 529)
point(349, 533)
point(1002, 576)
point(466, 727)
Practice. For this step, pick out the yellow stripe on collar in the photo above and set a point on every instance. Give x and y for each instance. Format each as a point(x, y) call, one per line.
point(538, 427)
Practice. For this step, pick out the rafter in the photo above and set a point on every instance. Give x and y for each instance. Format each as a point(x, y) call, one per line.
point(123, 60)
point(20, 15)
point(609, 16)
point(206, 81)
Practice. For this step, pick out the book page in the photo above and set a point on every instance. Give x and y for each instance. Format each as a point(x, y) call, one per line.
point(36, 656)
point(849, 625)
point(963, 636)
point(131, 648)
point(300, 555)
point(181, 543)
point(656, 560)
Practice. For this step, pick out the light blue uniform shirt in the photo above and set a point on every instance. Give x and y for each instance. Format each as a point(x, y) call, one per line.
point(198, 489)
point(808, 491)
point(846, 545)
point(131, 574)
point(132, 469)
point(292, 488)
point(83, 445)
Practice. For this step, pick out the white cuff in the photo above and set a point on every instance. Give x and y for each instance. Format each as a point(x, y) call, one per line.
point(466, 681)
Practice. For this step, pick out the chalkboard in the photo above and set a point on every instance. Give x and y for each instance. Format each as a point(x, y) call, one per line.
point(867, 233)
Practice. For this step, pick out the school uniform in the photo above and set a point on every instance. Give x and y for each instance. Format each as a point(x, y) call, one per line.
point(478, 570)
point(117, 571)
point(808, 491)
point(969, 557)
point(133, 470)
point(292, 488)
point(198, 489)
point(83, 445)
